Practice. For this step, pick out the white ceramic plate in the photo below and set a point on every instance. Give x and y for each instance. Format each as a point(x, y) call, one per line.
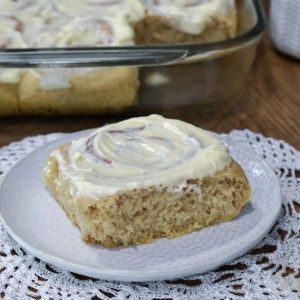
point(37, 223)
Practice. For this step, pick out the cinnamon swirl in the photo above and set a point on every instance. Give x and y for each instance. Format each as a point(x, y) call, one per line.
point(145, 178)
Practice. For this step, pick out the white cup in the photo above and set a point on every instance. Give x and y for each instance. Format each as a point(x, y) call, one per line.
point(285, 26)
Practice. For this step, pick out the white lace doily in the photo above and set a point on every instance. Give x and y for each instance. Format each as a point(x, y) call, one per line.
point(271, 270)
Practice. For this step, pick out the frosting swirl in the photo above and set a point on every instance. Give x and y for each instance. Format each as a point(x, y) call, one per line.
point(140, 152)
point(10, 32)
point(85, 31)
point(25, 8)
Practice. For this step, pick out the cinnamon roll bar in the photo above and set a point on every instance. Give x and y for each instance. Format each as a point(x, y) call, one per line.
point(64, 91)
point(143, 179)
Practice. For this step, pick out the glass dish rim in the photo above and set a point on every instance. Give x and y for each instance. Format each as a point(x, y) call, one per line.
point(138, 55)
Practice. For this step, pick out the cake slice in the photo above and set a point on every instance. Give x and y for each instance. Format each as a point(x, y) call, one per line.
point(143, 179)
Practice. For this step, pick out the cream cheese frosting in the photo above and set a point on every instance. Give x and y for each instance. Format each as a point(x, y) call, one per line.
point(85, 31)
point(64, 22)
point(130, 10)
point(25, 8)
point(189, 16)
point(139, 153)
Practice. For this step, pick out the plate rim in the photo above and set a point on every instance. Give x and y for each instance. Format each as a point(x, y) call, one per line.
point(137, 275)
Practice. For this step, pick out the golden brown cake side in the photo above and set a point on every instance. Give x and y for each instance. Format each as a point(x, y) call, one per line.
point(8, 99)
point(144, 215)
point(154, 29)
point(95, 92)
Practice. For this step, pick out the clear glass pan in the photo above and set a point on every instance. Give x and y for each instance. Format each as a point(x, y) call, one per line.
point(198, 76)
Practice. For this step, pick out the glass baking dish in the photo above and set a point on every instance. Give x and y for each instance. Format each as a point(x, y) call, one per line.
point(141, 79)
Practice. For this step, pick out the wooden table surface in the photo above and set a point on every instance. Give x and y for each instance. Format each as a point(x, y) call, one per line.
point(270, 104)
